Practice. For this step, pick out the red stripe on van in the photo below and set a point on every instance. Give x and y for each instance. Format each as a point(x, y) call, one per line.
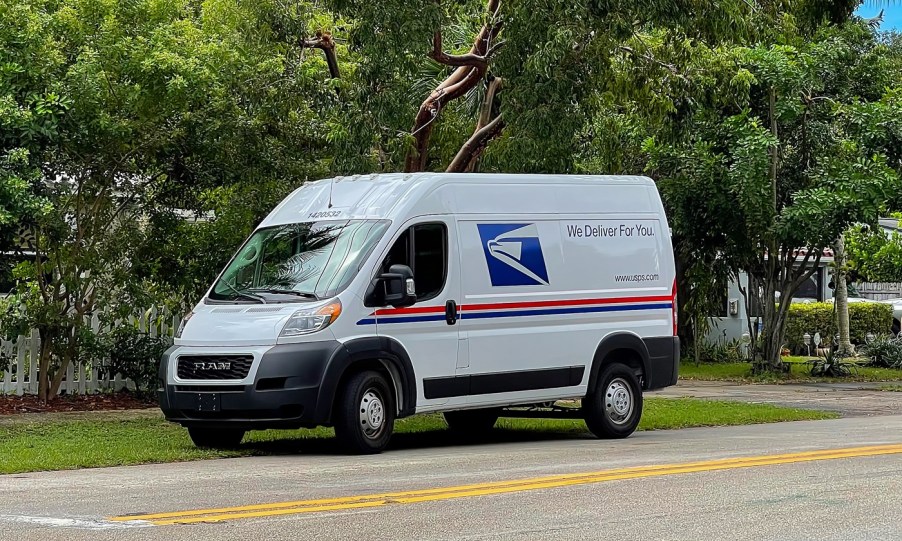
point(516, 305)
point(567, 302)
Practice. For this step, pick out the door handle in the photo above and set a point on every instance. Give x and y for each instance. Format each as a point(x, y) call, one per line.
point(451, 312)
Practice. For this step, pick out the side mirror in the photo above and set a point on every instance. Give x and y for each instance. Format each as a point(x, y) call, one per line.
point(394, 288)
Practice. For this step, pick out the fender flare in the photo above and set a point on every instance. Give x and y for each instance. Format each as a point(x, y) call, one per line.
point(389, 352)
point(612, 342)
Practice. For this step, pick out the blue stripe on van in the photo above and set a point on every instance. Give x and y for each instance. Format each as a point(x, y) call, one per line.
point(521, 313)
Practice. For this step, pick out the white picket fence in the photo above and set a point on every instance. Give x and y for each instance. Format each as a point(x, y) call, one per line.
point(20, 375)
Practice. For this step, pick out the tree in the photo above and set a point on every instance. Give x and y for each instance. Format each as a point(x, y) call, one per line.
point(443, 84)
point(874, 255)
point(784, 168)
point(128, 110)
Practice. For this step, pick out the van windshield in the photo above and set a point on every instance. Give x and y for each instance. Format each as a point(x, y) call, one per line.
point(298, 262)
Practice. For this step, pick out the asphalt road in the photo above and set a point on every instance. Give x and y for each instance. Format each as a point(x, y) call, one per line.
point(824, 480)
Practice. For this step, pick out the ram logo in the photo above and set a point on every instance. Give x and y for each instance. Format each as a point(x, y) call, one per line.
point(212, 366)
point(513, 254)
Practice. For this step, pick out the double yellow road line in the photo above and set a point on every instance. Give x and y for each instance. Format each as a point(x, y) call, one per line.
point(498, 487)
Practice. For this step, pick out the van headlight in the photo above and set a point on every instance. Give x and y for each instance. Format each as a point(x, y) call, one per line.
point(310, 320)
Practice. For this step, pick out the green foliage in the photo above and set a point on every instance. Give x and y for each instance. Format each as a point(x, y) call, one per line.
point(128, 351)
point(114, 115)
point(874, 255)
point(864, 318)
point(719, 352)
point(831, 365)
point(884, 351)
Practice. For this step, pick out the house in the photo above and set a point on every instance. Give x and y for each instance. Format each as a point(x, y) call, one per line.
point(730, 322)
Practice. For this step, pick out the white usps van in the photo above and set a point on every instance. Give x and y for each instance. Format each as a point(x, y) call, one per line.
point(362, 300)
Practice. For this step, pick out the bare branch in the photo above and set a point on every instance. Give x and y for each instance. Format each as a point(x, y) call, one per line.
point(485, 110)
point(471, 68)
point(475, 145)
point(326, 44)
point(469, 59)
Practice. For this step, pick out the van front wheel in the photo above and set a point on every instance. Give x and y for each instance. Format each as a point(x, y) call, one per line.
point(365, 413)
point(613, 410)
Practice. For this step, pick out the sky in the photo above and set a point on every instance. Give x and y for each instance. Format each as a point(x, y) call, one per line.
point(892, 14)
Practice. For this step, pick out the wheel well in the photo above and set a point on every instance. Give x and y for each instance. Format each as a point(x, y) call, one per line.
point(627, 356)
point(386, 368)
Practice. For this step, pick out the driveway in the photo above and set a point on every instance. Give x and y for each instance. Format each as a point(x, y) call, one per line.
point(848, 399)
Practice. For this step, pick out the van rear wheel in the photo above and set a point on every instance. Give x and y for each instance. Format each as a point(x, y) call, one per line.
point(613, 410)
point(472, 422)
point(213, 438)
point(365, 413)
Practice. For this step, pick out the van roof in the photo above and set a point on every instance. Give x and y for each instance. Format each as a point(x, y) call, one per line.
point(403, 195)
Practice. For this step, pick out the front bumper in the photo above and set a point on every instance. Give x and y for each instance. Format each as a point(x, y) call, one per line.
point(281, 391)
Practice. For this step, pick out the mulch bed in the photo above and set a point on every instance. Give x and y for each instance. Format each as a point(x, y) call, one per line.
point(11, 404)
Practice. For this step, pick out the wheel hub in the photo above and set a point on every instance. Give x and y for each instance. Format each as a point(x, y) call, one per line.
point(372, 413)
point(618, 401)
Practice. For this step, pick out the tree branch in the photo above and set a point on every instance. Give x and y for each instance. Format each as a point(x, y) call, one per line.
point(326, 44)
point(470, 59)
point(471, 68)
point(670, 67)
point(475, 145)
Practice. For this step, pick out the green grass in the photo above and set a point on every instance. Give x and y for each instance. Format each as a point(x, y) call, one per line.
point(894, 388)
point(71, 444)
point(741, 372)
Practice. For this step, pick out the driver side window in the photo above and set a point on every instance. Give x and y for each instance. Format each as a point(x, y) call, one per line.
point(423, 248)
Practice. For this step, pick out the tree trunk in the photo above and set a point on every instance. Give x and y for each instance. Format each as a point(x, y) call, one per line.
point(772, 328)
point(841, 302)
point(68, 356)
point(44, 367)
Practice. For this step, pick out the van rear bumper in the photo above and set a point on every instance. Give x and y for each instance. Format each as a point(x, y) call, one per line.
point(284, 393)
point(663, 362)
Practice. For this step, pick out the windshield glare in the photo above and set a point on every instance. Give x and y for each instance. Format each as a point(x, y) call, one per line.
point(298, 262)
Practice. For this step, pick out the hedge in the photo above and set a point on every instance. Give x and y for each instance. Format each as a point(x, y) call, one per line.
point(864, 318)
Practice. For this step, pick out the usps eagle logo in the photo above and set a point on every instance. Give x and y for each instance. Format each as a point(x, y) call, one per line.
point(513, 253)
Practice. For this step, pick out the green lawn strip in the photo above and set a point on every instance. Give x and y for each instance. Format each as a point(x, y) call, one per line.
point(895, 388)
point(799, 373)
point(60, 445)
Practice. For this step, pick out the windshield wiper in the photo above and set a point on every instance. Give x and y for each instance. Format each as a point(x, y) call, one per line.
point(244, 294)
point(277, 291)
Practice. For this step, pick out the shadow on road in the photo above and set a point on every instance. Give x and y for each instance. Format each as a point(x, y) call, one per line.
point(409, 441)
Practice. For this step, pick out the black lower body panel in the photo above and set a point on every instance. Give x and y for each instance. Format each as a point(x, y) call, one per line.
point(663, 362)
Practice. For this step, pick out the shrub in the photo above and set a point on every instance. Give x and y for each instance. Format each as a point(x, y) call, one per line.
point(864, 317)
point(132, 353)
point(831, 365)
point(884, 351)
point(721, 351)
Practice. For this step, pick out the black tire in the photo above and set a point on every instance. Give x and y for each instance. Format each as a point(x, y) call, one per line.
point(215, 438)
point(365, 413)
point(472, 422)
point(613, 410)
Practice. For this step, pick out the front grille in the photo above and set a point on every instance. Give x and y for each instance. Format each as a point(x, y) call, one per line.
point(214, 366)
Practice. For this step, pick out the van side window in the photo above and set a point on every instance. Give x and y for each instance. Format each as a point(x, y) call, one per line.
point(423, 248)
